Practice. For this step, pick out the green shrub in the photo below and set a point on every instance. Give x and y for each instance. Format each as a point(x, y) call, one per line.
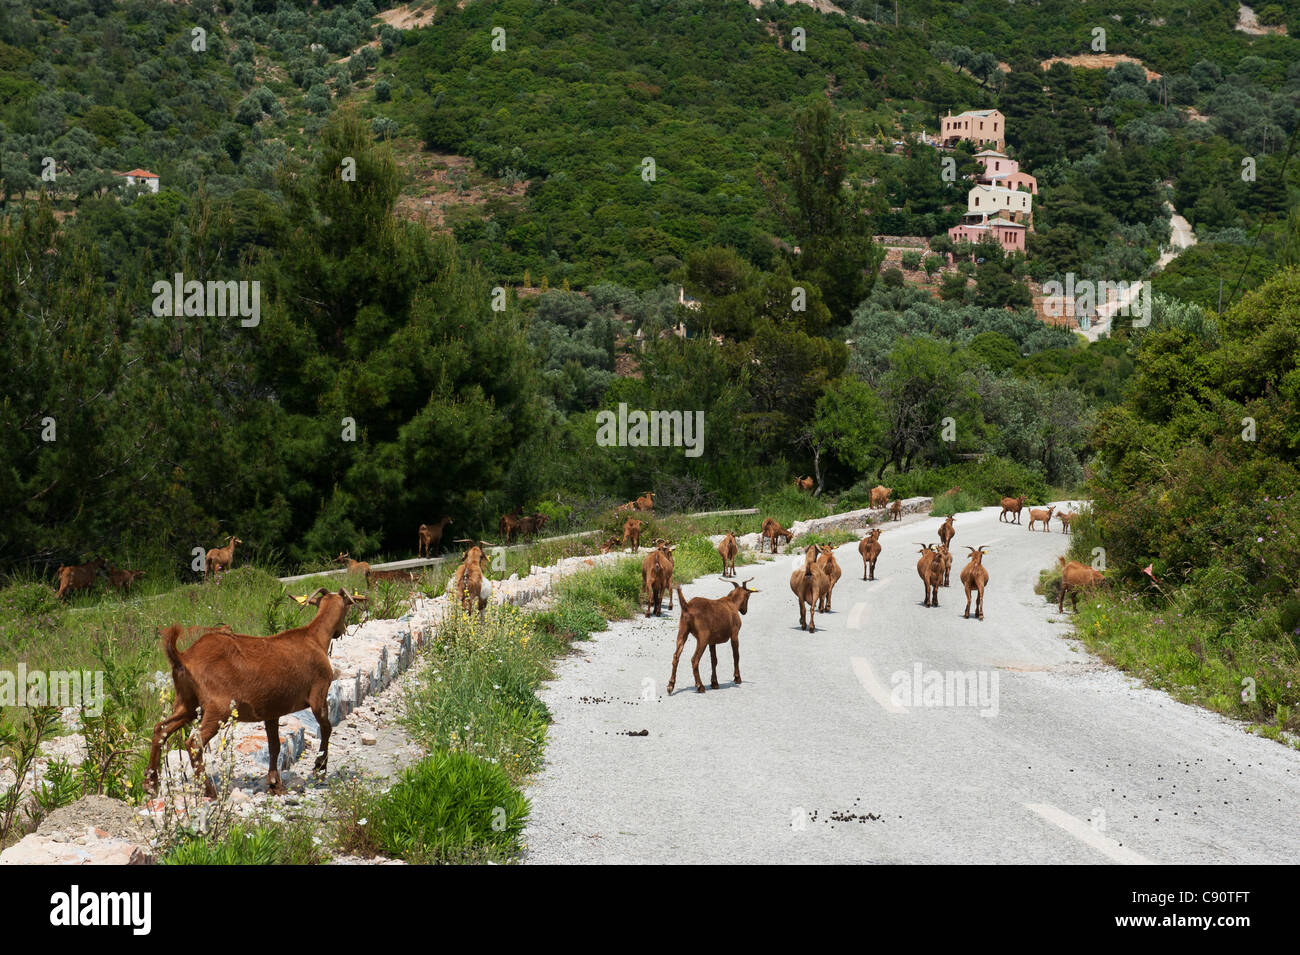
point(450, 808)
point(292, 843)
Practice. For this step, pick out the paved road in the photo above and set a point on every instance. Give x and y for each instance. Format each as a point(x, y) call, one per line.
point(813, 759)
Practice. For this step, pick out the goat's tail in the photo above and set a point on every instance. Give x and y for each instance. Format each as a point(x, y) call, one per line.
point(170, 636)
point(1061, 561)
point(680, 599)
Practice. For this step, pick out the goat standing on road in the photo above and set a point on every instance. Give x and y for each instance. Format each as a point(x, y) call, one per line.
point(929, 567)
point(728, 548)
point(808, 584)
point(975, 577)
point(711, 622)
point(869, 548)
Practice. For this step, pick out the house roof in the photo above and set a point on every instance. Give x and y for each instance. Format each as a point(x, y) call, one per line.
point(138, 174)
point(977, 112)
point(1006, 223)
point(992, 152)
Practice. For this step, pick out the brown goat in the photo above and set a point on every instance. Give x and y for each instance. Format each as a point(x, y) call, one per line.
point(611, 543)
point(1065, 517)
point(629, 506)
point(728, 548)
point(1042, 516)
point(929, 567)
point(430, 537)
point(632, 532)
point(657, 577)
point(1074, 578)
point(896, 511)
point(508, 527)
point(472, 587)
point(1012, 505)
point(532, 524)
point(880, 495)
point(771, 531)
point(263, 678)
point(975, 577)
point(804, 484)
point(711, 621)
point(646, 502)
point(403, 576)
point(78, 577)
point(220, 558)
point(831, 568)
point(946, 531)
point(869, 548)
point(353, 566)
point(808, 584)
point(122, 580)
point(945, 558)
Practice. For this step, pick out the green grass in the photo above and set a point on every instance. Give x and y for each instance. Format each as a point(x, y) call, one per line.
point(292, 842)
point(1224, 665)
point(451, 807)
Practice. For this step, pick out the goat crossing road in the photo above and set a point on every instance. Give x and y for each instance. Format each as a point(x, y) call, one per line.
point(897, 733)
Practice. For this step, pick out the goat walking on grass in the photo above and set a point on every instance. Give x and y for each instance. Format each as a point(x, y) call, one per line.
point(1074, 578)
point(220, 558)
point(711, 621)
point(262, 678)
point(353, 566)
point(79, 577)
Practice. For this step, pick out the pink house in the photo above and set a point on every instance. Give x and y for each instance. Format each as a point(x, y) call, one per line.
point(1010, 235)
point(1001, 170)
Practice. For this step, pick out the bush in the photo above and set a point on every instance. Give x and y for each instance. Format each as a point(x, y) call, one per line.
point(450, 808)
point(249, 844)
point(893, 277)
point(912, 260)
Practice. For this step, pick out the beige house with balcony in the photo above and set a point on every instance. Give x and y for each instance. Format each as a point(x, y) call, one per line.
point(1001, 170)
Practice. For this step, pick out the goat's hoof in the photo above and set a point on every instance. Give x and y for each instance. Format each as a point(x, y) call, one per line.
point(669, 690)
point(736, 680)
point(699, 689)
point(713, 685)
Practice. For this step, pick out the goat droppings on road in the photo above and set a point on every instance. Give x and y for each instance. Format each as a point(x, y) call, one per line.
point(946, 688)
point(653, 429)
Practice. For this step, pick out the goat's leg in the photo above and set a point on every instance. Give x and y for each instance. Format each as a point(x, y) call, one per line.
point(1060, 603)
point(197, 743)
point(273, 780)
point(803, 620)
point(670, 592)
point(735, 656)
point(812, 612)
point(967, 614)
point(700, 644)
point(713, 658)
point(979, 605)
point(683, 630)
point(181, 715)
point(320, 710)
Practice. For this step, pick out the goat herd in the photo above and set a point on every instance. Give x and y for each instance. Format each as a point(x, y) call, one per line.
point(715, 621)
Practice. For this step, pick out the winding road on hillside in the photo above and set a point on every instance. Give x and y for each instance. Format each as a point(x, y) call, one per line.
point(815, 758)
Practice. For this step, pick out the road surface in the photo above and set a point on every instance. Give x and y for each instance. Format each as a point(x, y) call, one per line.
point(816, 758)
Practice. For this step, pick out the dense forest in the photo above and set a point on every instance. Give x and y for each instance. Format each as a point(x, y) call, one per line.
point(635, 169)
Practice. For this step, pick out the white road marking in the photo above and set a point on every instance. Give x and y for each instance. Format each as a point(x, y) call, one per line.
point(873, 685)
point(858, 614)
point(1088, 835)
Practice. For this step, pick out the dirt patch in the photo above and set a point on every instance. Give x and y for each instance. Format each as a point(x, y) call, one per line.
point(407, 17)
point(1100, 61)
point(439, 183)
point(1248, 22)
point(110, 816)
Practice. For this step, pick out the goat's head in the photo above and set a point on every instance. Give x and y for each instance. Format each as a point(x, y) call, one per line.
point(745, 591)
point(343, 556)
point(977, 554)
